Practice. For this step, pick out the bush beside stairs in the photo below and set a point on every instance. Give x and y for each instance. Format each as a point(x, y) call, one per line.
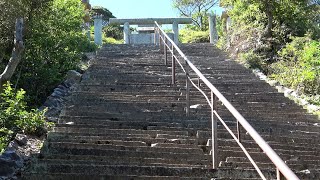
point(126, 121)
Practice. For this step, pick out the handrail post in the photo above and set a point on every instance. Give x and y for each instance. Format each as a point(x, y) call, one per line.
point(173, 67)
point(155, 35)
point(239, 130)
point(214, 134)
point(187, 91)
point(165, 51)
point(280, 175)
point(160, 45)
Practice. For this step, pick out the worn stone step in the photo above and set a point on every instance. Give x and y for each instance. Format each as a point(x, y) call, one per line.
point(242, 162)
point(142, 148)
point(125, 161)
point(116, 131)
point(161, 153)
point(274, 145)
point(152, 171)
point(141, 124)
point(75, 176)
point(120, 139)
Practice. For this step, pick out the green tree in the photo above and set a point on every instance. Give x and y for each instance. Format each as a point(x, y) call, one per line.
point(197, 9)
point(281, 38)
point(53, 46)
point(271, 22)
point(98, 10)
point(10, 11)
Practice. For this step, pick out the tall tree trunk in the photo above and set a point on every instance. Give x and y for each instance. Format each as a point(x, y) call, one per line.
point(16, 54)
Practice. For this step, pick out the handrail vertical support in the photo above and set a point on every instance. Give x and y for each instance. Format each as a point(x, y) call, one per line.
point(214, 132)
point(165, 51)
point(155, 35)
point(160, 45)
point(280, 175)
point(187, 92)
point(173, 68)
point(239, 130)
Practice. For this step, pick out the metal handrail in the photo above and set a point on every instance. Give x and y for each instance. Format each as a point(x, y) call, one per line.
point(282, 169)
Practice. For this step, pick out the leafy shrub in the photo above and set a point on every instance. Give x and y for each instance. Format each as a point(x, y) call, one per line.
point(299, 65)
point(193, 36)
point(253, 60)
point(15, 118)
point(5, 137)
point(113, 31)
point(33, 122)
point(12, 107)
point(109, 40)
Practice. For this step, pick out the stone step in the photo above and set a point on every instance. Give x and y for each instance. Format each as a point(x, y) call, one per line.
point(203, 124)
point(142, 148)
point(136, 161)
point(231, 88)
point(75, 176)
point(120, 139)
point(102, 130)
point(149, 153)
point(194, 119)
point(152, 171)
point(242, 162)
point(274, 145)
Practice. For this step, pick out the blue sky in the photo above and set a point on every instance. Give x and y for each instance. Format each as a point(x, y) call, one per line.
point(139, 8)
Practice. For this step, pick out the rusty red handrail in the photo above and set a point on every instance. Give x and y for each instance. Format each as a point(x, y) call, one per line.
point(282, 168)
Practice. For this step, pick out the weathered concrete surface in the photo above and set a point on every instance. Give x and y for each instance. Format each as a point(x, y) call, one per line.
point(98, 30)
point(146, 38)
point(145, 21)
point(213, 29)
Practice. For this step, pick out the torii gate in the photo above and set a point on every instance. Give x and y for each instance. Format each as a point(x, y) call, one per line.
point(150, 21)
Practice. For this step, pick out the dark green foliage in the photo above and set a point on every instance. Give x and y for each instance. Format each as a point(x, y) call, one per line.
point(5, 137)
point(10, 11)
point(54, 43)
point(53, 46)
point(98, 10)
point(113, 31)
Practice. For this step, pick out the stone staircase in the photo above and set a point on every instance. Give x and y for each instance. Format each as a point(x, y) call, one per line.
point(126, 121)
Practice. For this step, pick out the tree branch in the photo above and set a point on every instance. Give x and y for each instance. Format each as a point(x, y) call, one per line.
point(16, 54)
point(182, 12)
